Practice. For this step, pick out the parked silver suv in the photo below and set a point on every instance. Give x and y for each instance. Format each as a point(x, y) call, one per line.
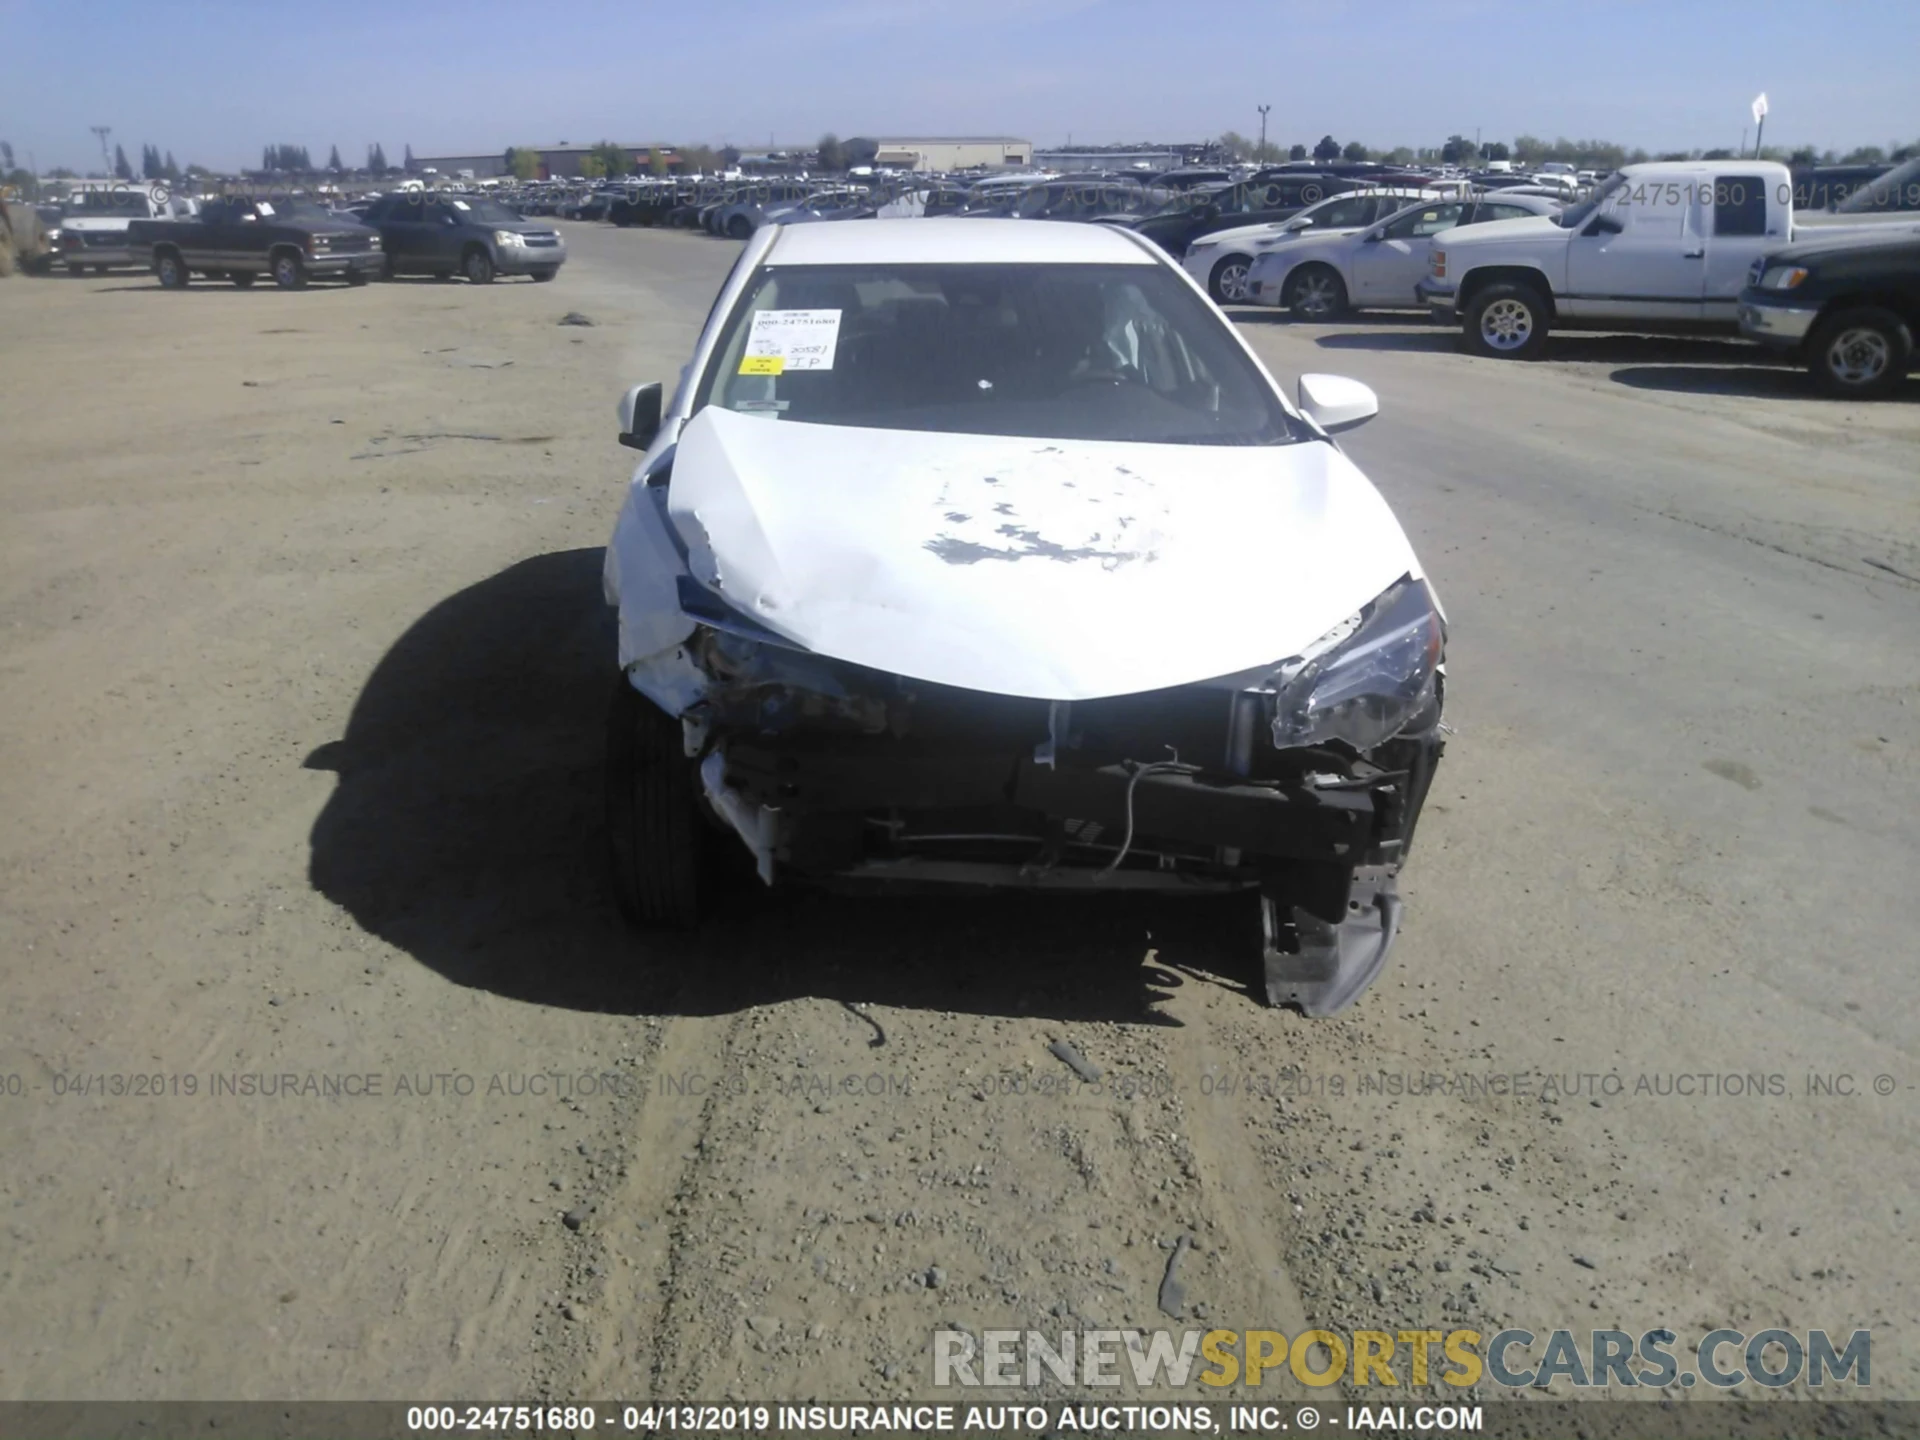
point(426, 234)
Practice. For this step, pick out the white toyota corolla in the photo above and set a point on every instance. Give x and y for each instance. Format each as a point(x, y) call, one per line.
point(987, 553)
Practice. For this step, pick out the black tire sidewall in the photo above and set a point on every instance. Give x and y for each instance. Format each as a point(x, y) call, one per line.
point(658, 845)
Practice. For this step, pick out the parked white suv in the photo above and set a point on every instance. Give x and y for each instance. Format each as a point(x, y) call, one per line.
point(93, 231)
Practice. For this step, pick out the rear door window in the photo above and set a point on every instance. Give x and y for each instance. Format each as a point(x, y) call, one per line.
point(1739, 205)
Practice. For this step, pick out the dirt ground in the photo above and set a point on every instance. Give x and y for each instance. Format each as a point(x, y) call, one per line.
point(305, 669)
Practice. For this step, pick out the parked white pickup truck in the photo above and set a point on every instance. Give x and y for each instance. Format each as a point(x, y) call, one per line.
point(1657, 248)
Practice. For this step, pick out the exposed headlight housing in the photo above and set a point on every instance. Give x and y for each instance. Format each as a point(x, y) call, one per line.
point(508, 238)
point(1782, 277)
point(1368, 678)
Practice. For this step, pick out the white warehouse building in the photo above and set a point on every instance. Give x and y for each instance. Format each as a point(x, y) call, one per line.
point(964, 152)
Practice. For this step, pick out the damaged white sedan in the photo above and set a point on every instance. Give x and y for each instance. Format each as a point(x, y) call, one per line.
point(988, 553)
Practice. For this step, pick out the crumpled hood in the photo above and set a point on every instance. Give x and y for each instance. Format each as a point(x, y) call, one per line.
point(1052, 569)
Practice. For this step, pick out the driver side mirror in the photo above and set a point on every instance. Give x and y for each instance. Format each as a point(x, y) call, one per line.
point(1335, 403)
point(640, 410)
point(1373, 237)
point(1604, 225)
point(1297, 224)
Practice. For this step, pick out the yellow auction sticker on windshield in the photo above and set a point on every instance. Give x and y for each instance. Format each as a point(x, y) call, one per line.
point(763, 365)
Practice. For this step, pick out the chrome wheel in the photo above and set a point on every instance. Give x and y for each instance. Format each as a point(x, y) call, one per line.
point(1506, 325)
point(1858, 356)
point(1230, 279)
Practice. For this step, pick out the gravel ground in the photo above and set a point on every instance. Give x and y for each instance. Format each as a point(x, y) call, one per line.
point(299, 777)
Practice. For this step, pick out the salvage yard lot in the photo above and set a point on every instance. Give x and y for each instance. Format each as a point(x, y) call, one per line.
point(305, 669)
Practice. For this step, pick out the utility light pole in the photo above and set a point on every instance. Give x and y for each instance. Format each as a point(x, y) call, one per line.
point(1261, 154)
point(101, 132)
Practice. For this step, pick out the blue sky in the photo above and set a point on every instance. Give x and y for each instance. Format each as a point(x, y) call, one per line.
point(215, 80)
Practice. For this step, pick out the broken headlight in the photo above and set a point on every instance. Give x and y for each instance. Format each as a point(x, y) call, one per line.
point(1368, 678)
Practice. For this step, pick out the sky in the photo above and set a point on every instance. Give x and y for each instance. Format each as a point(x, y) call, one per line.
point(215, 80)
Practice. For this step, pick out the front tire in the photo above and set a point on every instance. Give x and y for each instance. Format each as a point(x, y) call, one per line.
point(1506, 322)
point(1316, 292)
point(658, 841)
point(1860, 354)
point(1228, 282)
point(478, 267)
point(171, 270)
point(288, 272)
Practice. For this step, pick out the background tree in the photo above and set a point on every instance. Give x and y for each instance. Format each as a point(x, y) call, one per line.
point(1327, 149)
point(120, 165)
point(1353, 150)
point(730, 154)
point(333, 160)
point(1496, 150)
point(1297, 152)
point(613, 160)
point(377, 159)
point(6, 156)
point(860, 150)
point(702, 158)
point(1719, 155)
point(172, 170)
point(410, 166)
point(592, 166)
point(1459, 150)
point(833, 155)
point(1400, 155)
point(1235, 144)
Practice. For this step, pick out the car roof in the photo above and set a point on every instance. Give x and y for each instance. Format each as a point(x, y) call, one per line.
point(942, 241)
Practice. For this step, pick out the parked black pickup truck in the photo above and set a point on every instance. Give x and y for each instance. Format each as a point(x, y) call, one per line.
point(1848, 308)
point(293, 240)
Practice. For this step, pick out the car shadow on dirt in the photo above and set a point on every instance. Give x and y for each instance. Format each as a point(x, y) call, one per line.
point(1753, 381)
point(466, 829)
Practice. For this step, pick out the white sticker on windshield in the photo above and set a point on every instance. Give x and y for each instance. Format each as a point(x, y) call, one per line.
point(798, 339)
point(263, 207)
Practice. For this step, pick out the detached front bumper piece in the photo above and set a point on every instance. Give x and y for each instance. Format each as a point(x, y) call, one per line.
point(1323, 965)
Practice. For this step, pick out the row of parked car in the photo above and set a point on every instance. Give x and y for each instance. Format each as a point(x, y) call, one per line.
point(297, 239)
